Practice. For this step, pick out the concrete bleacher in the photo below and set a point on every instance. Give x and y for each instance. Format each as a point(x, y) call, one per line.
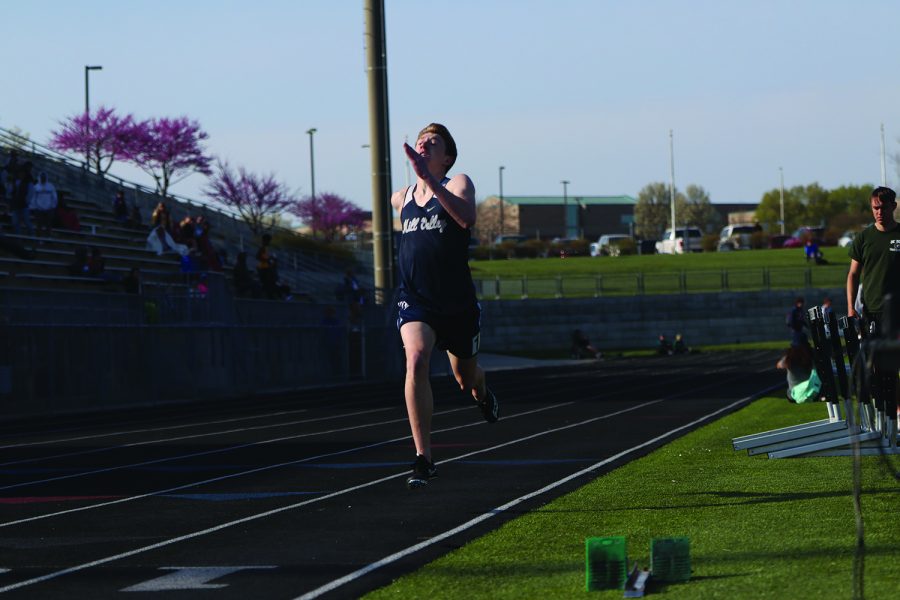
point(311, 276)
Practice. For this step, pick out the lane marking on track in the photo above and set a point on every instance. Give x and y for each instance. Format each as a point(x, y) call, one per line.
point(209, 452)
point(191, 437)
point(505, 507)
point(189, 578)
point(275, 511)
point(266, 468)
point(150, 429)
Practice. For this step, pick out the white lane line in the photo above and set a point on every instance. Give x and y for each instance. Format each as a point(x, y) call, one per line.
point(208, 452)
point(268, 468)
point(248, 519)
point(191, 578)
point(150, 429)
point(328, 587)
point(192, 437)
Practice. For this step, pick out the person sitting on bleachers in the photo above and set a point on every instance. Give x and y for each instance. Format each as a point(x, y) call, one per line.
point(135, 221)
point(161, 242)
point(204, 245)
point(120, 208)
point(79, 265)
point(680, 347)
point(43, 204)
point(66, 217)
point(244, 284)
point(162, 216)
point(186, 234)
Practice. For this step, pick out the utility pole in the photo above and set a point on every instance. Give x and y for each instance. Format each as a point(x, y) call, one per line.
point(781, 175)
point(883, 169)
point(565, 183)
point(501, 199)
point(382, 223)
point(672, 189)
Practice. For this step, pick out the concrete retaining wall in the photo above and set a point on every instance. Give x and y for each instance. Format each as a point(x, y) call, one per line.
point(637, 321)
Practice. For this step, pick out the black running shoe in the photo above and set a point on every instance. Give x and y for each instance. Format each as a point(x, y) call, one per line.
point(423, 470)
point(490, 407)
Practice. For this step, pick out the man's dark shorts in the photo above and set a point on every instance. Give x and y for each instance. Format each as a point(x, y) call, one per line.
point(458, 334)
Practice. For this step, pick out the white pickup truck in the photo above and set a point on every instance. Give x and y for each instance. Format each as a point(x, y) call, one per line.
point(676, 244)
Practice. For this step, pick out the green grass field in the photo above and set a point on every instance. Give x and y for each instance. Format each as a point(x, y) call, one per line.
point(759, 528)
point(657, 273)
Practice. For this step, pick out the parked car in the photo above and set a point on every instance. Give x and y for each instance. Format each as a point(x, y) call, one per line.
point(847, 239)
point(736, 237)
point(608, 245)
point(674, 243)
point(801, 234)
point(517, 239)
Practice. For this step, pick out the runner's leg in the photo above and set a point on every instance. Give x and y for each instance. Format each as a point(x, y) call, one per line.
point(418, 342)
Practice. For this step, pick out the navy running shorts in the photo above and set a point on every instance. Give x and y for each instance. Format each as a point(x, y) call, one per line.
point(459, 334)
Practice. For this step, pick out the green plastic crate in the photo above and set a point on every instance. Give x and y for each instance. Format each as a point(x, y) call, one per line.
point(606, 563)
point(670, 559)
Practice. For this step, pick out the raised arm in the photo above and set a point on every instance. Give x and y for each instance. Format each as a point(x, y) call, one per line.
point(457, 198)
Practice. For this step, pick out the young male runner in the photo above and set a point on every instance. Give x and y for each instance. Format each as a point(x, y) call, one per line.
point(437, 303)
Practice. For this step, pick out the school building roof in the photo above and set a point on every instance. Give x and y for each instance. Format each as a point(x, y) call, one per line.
point(559, 200)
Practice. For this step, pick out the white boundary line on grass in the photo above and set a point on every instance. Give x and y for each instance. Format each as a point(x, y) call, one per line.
point(492, 513)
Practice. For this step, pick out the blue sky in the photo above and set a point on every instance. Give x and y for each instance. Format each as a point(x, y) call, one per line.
point(581, 90)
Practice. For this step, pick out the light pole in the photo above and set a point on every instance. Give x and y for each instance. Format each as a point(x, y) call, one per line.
point(87, 94)
point(781, 175)
point(883, 170)
point(312, 166)
point(565, 183)
point(501, 200)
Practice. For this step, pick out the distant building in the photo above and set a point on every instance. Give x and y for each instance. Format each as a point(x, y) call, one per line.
point(543, 216)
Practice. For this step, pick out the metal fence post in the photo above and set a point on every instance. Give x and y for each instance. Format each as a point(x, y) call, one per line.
point(682, 282)
point(598, 286)
point(640, 284)
point(524, 286)
point(559, 286)
point(497, 287)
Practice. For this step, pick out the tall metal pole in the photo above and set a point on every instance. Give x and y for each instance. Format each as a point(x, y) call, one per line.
point(883, 169)
point(565, 183)
point(672, 183)
point(87, 94)
point(87, 108)
point(781, 175)
point(501, 199)
point(382, 226)
point(312, 164)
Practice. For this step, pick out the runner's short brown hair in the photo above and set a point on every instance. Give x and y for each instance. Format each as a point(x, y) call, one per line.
point(438, 129)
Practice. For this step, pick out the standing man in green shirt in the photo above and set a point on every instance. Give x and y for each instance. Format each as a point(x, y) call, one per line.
point(875, 260)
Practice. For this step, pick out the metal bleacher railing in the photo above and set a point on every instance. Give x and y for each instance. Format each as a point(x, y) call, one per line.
point(312, 273)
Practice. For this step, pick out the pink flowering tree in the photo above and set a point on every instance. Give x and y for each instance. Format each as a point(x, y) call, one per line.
point(258, 199)
point(103, 137)
point(169, 150)
point(329, 214)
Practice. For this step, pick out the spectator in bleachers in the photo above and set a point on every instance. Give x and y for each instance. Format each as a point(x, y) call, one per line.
point(79, 265)
point(162, 216)
point(680, 346)
point(161, 242)
point(135, 221)
point(132, 281)
point(796, 322)
point(186, 234)
point(264, 270)
point(120, 208)
point(43, 204)
point(20, 199)
point(244, 285)
point(8, 173)
point(66, 217)
point(279, 289)
point(204, 245)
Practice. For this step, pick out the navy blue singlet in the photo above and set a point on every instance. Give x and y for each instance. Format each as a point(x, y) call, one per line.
point(434, 258)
